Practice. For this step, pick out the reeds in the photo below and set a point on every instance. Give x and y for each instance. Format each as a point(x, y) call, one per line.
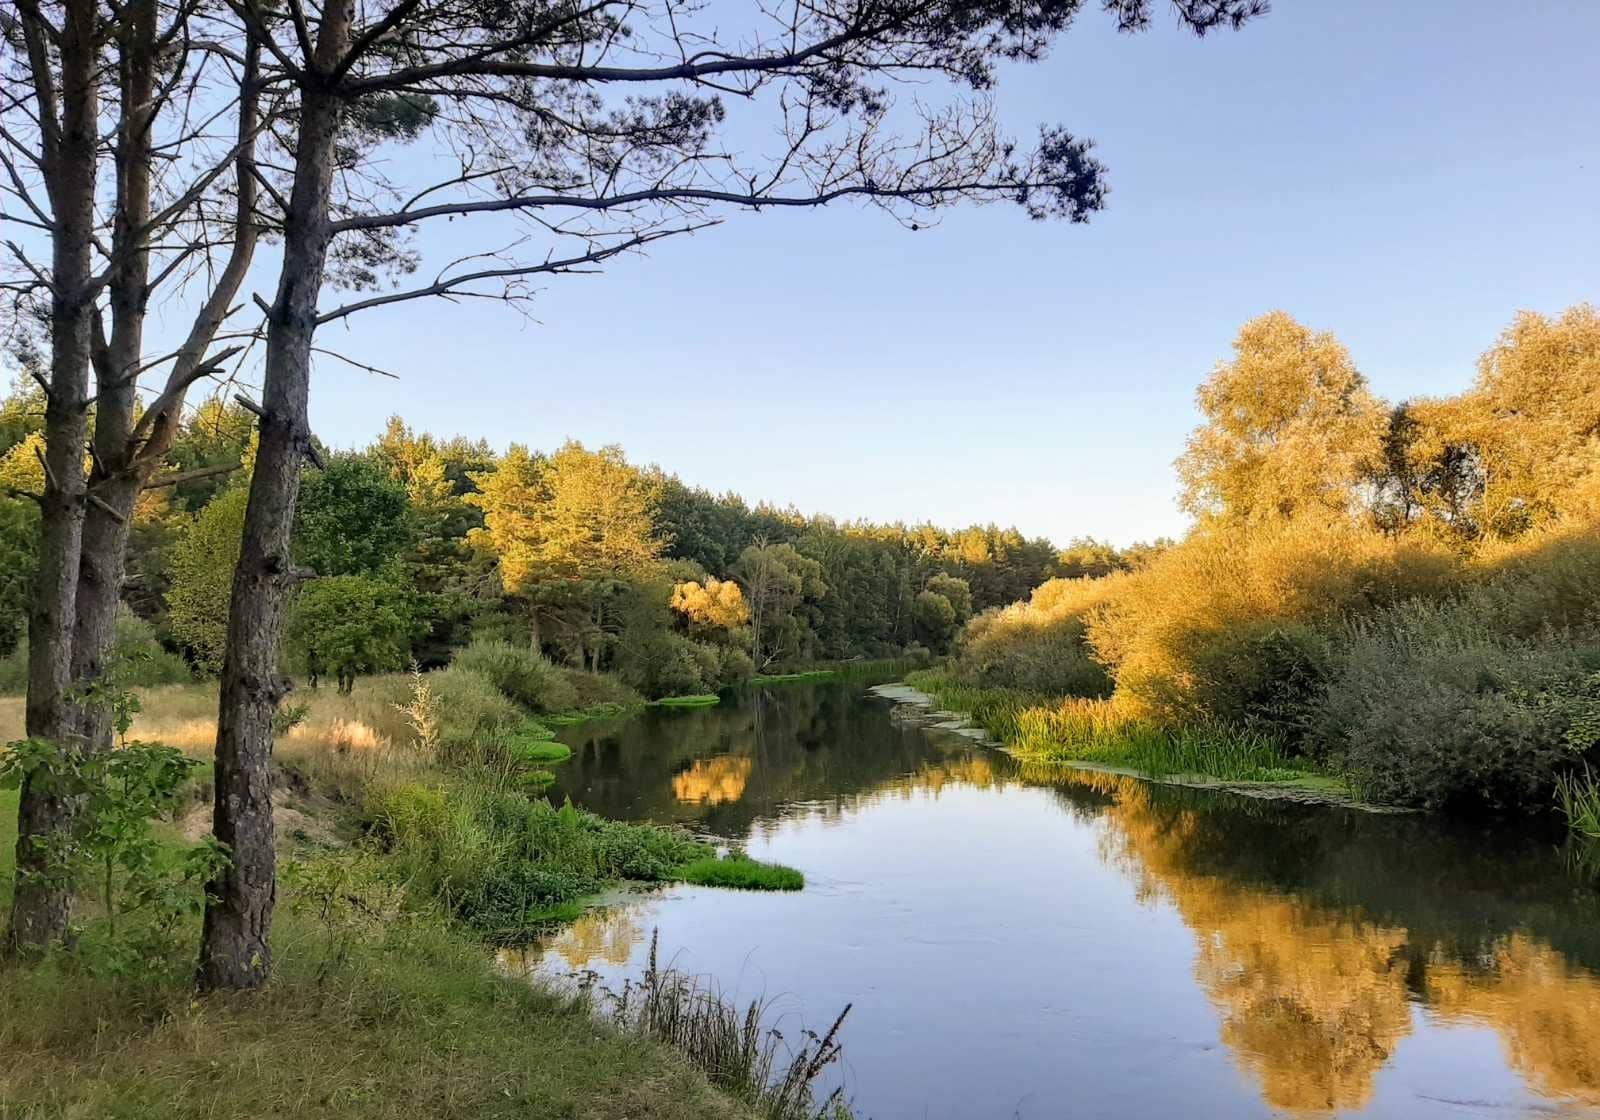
point(1101, 731)
point(1578, 797)
point(734, 1048)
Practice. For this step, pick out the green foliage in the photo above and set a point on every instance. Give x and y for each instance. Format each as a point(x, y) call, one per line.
point(780, 585)
point(202, 566)
point(500, 862)
point(344, 626)
point(1578, 797)
point(520, 674)
point(739, 872)
point(144, 893)
point(1431, 704)
point(352, 518)
point(19, 531)
point(8, 845)
point(139, 659)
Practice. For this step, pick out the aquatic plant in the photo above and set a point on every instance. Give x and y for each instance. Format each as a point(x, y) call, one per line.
point(735, 1048)
point(741, 873)
point(703, 700)
point(1578, 797)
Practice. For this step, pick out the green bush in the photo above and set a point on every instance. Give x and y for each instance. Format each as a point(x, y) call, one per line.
point(502, 863)
point(1433, 705)
point(519, 673)
point(139, 656)
point(471, 708)
point(595, 690)
point(346, 626)
point(1039, 646)
point(664, 663)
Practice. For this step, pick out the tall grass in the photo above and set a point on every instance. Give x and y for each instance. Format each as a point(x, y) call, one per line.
point(410, 1024)
point(1578, 797)
point(734, 1048)
point(1100, 731)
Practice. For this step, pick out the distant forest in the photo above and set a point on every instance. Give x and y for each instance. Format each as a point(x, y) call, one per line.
point(416, 545)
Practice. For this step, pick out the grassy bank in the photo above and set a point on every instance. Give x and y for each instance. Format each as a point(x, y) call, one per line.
point(1092, 731)
point(409, 1024)
point(882, 669)
point(411, 842)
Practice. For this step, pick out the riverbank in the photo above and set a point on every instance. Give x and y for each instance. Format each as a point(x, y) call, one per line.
point(1079, 734)
point(399, 868)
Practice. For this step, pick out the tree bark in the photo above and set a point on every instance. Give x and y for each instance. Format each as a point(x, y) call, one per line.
point(41, 908)
point(235, 950)
point(112, 480)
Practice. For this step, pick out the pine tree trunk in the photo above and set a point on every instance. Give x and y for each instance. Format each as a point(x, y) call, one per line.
point(235, 950)
point(41, 908)
point(114, 481)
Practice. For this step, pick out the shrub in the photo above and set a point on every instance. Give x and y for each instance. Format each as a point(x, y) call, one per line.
point(471, 708)
point(595, 690)
point(502, 863)
point(1188, 635)
point(141, 661)
point(668, 664)
point(521, 674)
point(1038, 646)
point(1432, 704)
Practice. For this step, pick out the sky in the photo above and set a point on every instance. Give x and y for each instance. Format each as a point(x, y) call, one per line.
point(1407, 176)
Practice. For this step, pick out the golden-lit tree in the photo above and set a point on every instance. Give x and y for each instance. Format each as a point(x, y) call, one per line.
point(567, 530)
point(1290, 428)
point(715, 604)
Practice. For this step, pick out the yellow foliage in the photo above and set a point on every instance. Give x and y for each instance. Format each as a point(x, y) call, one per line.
point(1291, 428)
point(1178, 633)
point(715, 604)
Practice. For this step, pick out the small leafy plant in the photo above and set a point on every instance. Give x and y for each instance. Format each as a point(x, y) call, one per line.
point(142, 888)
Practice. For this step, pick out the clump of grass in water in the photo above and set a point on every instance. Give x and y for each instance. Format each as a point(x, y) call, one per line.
point(731, 1047)
point(1578, 797)
point(741, 873)
point(702, 700)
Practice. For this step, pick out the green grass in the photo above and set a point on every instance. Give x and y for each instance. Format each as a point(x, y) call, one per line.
point(606, 710)
point(741, 873)
point(1078, 730)
point(882, 669)
point(787, 678)
point(1578, 797)
point(702, 700)
point(412, 1026)
point(544, 752)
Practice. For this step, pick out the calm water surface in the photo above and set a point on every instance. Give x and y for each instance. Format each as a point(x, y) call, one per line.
point(1026, 941)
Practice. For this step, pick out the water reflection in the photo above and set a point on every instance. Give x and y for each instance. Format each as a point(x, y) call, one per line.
point(1351, 963)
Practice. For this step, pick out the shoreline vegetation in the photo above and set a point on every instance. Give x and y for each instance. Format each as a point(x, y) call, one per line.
point(414, 839)
point(1399, 599)
point(1198, 759)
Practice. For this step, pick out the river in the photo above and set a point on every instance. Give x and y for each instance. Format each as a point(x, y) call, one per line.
point(1026, 941)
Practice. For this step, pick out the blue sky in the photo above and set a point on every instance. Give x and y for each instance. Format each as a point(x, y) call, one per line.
point(1407, 176)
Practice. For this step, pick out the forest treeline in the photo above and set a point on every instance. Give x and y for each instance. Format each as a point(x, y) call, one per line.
point(1407, 594)
point(415, 546)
